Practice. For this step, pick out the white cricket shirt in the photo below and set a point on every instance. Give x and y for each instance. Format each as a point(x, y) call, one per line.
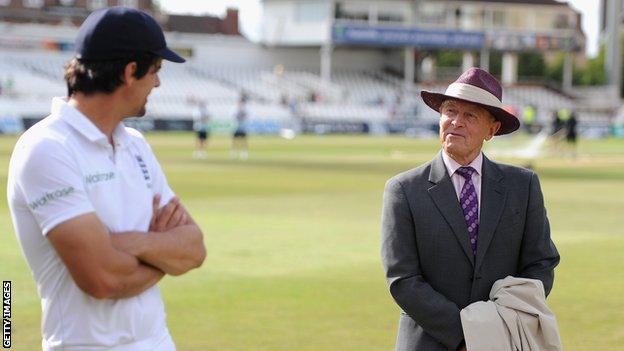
point(63, 167)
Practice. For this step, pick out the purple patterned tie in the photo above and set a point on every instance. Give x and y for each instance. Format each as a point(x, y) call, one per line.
point(470, 205)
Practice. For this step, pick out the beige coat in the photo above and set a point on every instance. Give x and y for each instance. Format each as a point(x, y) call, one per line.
point(515, 318)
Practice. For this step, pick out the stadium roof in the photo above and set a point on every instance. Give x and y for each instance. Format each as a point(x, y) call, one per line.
point(527, 2)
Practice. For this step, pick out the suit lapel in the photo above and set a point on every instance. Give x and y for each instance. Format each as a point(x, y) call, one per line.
point(493, 197)
point(445, 198)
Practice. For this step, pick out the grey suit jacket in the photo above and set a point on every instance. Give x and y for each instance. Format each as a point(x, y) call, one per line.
point(430, 268)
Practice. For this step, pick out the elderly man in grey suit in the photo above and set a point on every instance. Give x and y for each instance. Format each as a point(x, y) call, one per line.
point(455, 225)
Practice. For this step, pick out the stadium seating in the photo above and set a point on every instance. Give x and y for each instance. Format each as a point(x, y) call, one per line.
point(28, 82)
point(363, 88)
point(245, 79)
point(352, 95)
point(539, 96)
point(181, 84)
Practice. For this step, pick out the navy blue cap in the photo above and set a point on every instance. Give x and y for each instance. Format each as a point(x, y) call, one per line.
point(120, 32)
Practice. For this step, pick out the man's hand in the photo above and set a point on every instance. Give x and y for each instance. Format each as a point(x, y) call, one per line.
point(172, 215)
point(174, 243)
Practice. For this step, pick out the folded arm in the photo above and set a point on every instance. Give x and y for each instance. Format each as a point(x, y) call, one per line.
point(437, 315)
point(98, 268)
point(174, 243)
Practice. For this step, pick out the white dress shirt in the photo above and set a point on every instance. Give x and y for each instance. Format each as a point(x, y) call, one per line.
point(458, 180)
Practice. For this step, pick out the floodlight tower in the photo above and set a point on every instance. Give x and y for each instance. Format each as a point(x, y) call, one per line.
point(613, 60)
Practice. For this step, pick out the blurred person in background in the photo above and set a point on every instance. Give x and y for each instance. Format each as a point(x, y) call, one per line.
point(529, 118)
point(201, 126)
point(96, 220)
point(240, 147)
point(556, 122)
point(457, 224)
point(571, 133)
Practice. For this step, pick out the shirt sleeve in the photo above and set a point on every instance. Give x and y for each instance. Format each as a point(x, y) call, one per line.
point(51, 182)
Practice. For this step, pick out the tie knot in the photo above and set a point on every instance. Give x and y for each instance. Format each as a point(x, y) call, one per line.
point(465, 172)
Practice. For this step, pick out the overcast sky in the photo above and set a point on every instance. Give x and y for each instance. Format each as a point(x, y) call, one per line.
point(250, 11)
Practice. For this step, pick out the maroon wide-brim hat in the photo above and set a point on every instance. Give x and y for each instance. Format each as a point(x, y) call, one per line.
point(478, 87)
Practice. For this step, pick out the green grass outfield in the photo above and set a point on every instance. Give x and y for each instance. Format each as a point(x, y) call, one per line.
point(293, 244)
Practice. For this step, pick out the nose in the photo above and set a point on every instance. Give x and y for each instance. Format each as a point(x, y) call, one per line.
point(459, 120)
point(157, 83)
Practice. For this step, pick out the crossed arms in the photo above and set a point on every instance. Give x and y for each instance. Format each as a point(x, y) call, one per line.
point(119, 265)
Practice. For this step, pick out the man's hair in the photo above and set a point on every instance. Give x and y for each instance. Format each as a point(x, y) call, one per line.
point(103, 76)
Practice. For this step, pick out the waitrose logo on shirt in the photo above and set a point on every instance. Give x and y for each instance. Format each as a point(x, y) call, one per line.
point(99, 177)
point(49, 197)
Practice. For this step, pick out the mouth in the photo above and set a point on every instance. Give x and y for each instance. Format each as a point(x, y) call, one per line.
point(455, 135)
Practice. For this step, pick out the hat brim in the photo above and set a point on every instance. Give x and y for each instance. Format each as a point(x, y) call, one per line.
point(169, 55)
point(509, 122)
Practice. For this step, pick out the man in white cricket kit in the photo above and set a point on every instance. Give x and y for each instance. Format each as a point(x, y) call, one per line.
point(94, 215)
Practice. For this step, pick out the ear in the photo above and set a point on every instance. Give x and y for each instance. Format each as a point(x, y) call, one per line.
point(494, 127)
point(128, 73)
